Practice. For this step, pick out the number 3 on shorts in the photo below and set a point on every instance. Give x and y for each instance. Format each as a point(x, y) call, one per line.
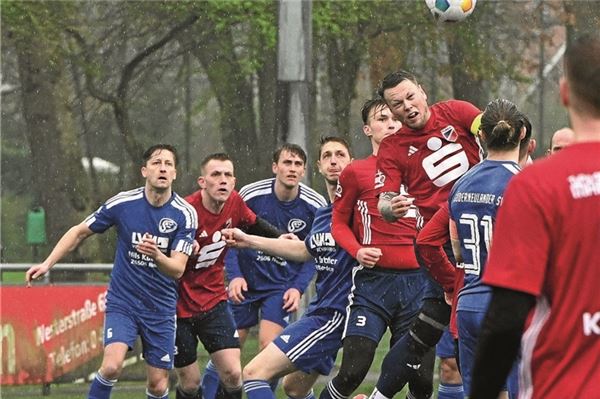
point(361, 321)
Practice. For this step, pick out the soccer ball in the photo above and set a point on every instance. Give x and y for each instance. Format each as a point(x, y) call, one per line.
point(451, 10)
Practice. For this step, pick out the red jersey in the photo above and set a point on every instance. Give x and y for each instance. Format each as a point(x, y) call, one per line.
point(546, 243)
point(202, 286)
point(357, 223)
point(428, 161)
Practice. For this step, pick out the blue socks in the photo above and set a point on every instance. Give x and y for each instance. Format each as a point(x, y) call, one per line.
point(258, 389)
point(101, 387)
point(450, 391)
point(210, 381)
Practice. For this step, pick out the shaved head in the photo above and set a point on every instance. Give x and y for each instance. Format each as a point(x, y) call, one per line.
point(561, 139)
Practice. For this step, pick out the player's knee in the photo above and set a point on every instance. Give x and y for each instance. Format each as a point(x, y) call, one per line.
point(231, 376)
point(429, 325)
point(293, 390)
point(253, 372)
point(188, 378)
point(437, 310)
point(449, 373)
point(111, 370)
point(189, 384)
point(158, 386)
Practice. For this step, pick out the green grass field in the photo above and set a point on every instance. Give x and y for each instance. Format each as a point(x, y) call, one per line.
point(129, 389)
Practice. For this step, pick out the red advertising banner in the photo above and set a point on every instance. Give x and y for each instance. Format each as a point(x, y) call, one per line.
point(48, 331)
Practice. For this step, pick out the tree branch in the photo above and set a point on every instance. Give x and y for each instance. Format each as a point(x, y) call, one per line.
point(89, 80)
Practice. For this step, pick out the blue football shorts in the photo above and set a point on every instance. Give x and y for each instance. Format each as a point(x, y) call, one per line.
point(263, 305)
point(469, 327)
point(156, 331)
point(383, 298)
point(312, 342)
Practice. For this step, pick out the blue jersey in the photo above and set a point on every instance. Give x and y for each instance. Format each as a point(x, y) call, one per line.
point(474, 201)
point(334, 265)
point(136, 284)
point(263, 272)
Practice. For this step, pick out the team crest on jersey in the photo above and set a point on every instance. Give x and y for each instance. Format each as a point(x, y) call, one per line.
point(449, 133)
point(379, 179)
point(295, 225)
point(338, 190)
point(167, 225)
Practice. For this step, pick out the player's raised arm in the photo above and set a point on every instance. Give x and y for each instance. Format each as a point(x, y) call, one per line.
point(68, 242)
point(293, 250)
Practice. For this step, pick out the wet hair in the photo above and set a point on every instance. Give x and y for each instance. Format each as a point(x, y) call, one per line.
point(328, 139)
point(501, 124)
point(394, 79)
point(293, 149)
point(217, 156)
point(582, 70)
point(148, 153)
point(377, 102)
point(524, 144)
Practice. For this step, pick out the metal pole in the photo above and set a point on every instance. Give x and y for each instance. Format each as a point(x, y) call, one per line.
point(541, 73)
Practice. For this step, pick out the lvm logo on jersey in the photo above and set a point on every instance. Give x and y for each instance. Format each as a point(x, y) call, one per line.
point(161, 242)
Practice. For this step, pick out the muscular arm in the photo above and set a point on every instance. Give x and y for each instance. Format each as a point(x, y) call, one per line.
point(172, 266)
point(293, 250)
point(67, 243)
point(393, 206)
point(499, 341)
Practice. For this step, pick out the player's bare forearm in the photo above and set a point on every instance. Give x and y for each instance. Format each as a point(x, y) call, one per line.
point(67, 243)
point(293, 250)
point(385, 206)
point(174, 265)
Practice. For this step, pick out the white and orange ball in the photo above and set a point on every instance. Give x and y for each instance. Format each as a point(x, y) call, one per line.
point(451, 10)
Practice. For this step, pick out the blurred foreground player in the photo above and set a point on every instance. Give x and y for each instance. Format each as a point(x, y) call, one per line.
point(544, 261)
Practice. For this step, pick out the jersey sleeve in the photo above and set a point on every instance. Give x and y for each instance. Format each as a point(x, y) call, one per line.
point(304, 277)
point(469, 114)
point(521, 243)
point(247, 215)
point(388, 176)
point(343, 207)
point(430, 243)
point(102, 219)
point(232, 266)
point(184, 238)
